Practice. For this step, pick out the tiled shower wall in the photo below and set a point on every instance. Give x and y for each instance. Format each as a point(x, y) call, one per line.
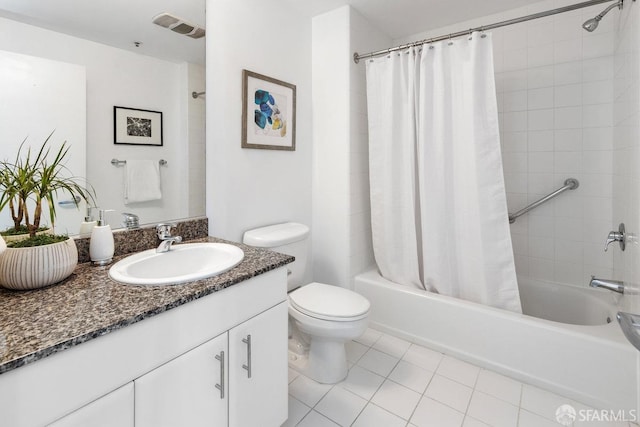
point(554, 85)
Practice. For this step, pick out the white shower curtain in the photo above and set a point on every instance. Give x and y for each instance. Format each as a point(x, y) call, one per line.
point(439, 212)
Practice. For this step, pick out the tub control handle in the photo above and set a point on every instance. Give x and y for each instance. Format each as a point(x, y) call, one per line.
point(247, 367)
point(630, 324)
point(220, 386)
point(616, 236)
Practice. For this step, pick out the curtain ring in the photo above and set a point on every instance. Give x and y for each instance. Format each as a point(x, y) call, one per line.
point(450, 42)
point(482, 34)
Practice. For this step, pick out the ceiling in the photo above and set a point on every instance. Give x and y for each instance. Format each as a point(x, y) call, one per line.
point(120, 23)
point(117, 23)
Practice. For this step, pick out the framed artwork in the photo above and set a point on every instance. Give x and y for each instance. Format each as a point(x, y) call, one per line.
point(268, 113)
point(132, 126)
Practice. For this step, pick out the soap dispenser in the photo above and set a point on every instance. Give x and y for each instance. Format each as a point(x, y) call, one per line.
point(101, 245)
point(87, 225)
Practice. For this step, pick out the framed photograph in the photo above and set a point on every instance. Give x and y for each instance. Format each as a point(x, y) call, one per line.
point(268, 113)
point(132, 126)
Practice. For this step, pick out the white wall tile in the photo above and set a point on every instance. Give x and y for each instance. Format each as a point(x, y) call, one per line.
point(568, 140)
point(541, 140)
point(540, 119)
point(515, 101)
point(568, 95)
point(540, 98)
point(568, 118)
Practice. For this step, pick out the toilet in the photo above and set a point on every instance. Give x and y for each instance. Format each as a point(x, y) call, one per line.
point(322, 317)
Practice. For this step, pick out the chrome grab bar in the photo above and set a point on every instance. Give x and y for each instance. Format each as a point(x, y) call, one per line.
point(569, 184)
point(630, 324)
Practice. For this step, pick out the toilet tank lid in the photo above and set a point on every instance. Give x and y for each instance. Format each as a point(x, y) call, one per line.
point(276, 235)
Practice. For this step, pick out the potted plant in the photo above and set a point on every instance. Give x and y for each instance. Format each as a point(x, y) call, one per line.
point(26, 186)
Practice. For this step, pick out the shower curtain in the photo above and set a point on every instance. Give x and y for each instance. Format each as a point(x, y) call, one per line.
point(438, 204)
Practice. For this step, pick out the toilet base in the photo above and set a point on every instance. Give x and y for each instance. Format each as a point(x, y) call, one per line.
point(325, 362)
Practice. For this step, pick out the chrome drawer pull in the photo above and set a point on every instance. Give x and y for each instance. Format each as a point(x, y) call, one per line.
point(247, 341)
point(220, 386)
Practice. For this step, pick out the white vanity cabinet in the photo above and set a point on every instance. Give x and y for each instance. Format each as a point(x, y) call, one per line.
point(184, 391)
point(257, 348)
point(236, 379)
point(168, 361)
point(114, 409)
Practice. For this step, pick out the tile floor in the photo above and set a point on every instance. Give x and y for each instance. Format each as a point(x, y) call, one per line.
point(393, 382)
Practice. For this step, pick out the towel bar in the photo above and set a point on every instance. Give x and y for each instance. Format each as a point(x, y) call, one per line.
point(116, 162)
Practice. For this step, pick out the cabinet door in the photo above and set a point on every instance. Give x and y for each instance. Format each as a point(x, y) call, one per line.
point(113, 409)
point(187, 390)
point(259, 345)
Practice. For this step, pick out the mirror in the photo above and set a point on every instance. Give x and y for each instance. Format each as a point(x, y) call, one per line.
point(129, 62)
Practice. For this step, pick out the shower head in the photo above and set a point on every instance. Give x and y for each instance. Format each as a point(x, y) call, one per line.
point(591, 24)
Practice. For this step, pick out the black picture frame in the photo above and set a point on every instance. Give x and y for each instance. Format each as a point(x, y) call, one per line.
point(134, 126)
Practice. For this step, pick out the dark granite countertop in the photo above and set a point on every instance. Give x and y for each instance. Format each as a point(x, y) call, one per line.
point(36, 324)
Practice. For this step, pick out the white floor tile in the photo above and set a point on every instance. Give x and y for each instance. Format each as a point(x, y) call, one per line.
point(355, 351)
point(430, 413)
point(449, 392)
point(457, 370)
point(492, 411)
point(308, 391)
point(411, 376)
point(393, 346)
point(370, 337)
point(315, 419)
point(544, 403)
point(499, 386)
point(293, 375)
point(378, 362)
point(423, 357)
point(297, 411)
point(396, 399)
point(529, 419)
point(341, 406)
point(362, 382)
point(374, 416)
point(472, 422)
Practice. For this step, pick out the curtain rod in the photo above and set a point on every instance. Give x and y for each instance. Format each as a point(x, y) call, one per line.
point(357, 57)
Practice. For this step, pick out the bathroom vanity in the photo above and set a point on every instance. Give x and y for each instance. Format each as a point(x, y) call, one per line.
point(92, 351)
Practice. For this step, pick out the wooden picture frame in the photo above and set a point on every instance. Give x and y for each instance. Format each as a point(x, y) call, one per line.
point(133, 126)
point(268, 113)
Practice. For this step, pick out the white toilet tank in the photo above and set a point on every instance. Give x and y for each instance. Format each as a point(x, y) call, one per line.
point(289, 238)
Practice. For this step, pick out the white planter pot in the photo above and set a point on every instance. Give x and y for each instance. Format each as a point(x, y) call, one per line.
point(38, 266)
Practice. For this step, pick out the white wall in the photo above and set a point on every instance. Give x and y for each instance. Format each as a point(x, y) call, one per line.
point(331, 122)
point(342, 244)
point(555, 97)
point(122, 78)
point(247, 188)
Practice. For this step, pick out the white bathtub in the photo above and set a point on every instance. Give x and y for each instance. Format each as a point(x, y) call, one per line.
point(589, 361)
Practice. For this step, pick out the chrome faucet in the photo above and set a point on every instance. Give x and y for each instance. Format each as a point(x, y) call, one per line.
point(612, 285)
point(130, 220)
point(164, 234)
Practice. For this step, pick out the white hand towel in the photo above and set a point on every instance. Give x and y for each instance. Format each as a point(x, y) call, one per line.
point(141, 181)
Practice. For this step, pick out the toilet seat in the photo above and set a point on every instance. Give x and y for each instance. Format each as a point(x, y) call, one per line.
point(328, 302)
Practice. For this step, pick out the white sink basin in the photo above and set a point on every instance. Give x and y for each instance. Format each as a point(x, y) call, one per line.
point(183, 263)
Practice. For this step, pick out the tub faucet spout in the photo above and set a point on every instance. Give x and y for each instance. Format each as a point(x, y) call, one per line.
point(612, 285)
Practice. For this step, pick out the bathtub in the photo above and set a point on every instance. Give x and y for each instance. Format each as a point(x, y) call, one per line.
point(573, 346)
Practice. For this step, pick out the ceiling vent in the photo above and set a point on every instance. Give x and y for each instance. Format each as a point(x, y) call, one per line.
point(178, 25)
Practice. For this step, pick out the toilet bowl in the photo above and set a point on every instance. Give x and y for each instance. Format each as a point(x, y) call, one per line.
point(322, 317)
point(328, 316)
